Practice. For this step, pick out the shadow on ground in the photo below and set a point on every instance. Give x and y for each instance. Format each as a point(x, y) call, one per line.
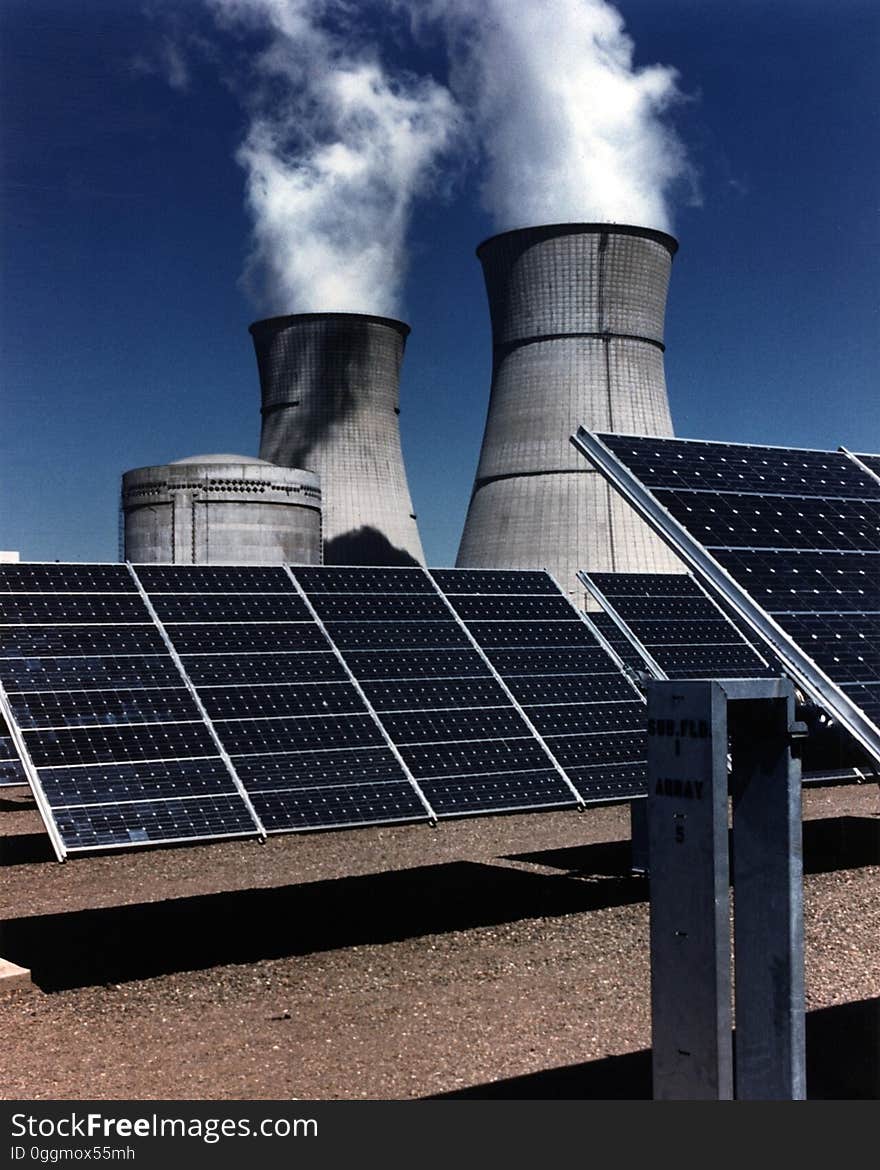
point(119, 943)
point(843, 1064)
point(26, 849)
point(829, 844)
point(23, 804)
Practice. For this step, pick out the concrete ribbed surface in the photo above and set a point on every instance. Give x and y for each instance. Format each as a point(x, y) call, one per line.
point(330, 403)
point(577, 318)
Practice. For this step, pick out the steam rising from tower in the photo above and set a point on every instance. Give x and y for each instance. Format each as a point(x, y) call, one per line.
point(577, 325)
point(330, 403)
point(337, 149)
point(570, 128)
point(343, 137)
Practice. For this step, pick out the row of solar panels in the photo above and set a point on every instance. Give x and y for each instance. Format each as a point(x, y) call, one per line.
point(168, 703)
point(161, 703)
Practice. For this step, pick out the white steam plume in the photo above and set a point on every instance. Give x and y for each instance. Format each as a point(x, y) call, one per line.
point(571, 129)
point(336, 152)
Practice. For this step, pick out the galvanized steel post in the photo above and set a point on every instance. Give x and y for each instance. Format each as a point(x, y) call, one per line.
point(690, 727)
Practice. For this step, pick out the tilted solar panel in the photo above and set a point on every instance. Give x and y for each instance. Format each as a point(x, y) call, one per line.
point(789, 538)
point(681, 632)
point(585, 711)
point(117, 750)
point(298, 733)
point(459, 734)
point(674, 624)
point(160, 703)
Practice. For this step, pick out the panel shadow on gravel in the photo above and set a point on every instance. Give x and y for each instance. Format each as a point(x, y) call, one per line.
point(606, 858)
point(829, 844)
point(613, 1078)
point(842, 1058)
point(841, 843)
point(25, 803)
point(26, 849)
point(121, 943)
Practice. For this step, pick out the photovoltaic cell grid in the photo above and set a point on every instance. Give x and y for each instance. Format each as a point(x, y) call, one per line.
point(11, 771)
point(168, 703)
point(681, 633)
point(588, 714)
point(300, 736)
point(458, 733)
point(684, 632)
point(797, 530)
point(606, 627)
point(120, 750)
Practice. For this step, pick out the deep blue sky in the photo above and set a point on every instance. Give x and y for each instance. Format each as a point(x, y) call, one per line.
point(124, 323)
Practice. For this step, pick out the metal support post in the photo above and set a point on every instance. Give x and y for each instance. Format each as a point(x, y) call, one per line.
point(768, 903)
point(690, 934)
point(691, 728)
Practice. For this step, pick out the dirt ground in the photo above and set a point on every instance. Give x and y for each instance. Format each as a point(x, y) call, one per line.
point(499, 957)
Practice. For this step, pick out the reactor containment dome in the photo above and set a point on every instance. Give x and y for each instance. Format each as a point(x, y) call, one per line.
point(221, 509)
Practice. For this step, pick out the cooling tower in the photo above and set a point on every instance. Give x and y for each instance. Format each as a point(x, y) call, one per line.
point(577, 328)
point(221, 510)
point(330, 402)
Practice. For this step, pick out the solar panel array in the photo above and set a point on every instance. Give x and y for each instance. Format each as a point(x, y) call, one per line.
point(457, 731)
point(679, 632)
point(118, 745)
point(798, 531)
point(299, 735)
point(178, 703)
point(684, 633)
point(585, 710)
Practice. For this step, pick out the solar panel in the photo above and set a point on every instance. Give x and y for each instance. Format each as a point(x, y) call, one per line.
point(609, 634)
point(674, 625)
point(280, 697)
point(789, 538)
point(67, 578)
point(469, 749)
point(680, 632)
point(103, 724)
point(361, 580)
point(573, 694)
point(226, 579)
point(159, 703)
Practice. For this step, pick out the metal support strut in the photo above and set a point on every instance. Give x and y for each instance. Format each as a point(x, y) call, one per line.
point(691, 728)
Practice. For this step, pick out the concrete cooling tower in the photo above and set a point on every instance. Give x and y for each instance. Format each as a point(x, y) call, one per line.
point(577, 327)
point(221, 510)
point(330, 402)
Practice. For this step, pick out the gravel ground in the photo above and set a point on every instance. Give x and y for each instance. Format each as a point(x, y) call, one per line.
point(505, 956)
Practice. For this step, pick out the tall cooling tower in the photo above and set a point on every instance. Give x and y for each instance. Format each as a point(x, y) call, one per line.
point(577, 327)
point(330, 403)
